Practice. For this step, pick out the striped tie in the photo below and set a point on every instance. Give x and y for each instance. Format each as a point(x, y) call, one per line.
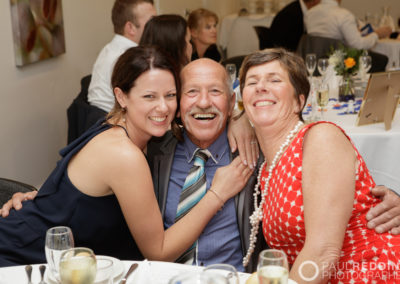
point(193, 190)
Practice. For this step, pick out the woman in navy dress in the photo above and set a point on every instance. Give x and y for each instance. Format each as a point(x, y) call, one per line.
point(102, 187)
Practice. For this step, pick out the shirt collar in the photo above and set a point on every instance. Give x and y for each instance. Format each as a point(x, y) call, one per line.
point(217, 149)
point(125, 40)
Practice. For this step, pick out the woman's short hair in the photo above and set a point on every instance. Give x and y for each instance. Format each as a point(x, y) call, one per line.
point(196, 18)
point(292, 63)
point(168, 32)
point(132, 64)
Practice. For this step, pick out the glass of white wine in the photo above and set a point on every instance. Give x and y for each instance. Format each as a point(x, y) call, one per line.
point(58, 240)
point(198, 277)
point(231, 69)
point(272, 267)
point(78, 266)
point(323, 97)
point(311, 63)
point(322, 66)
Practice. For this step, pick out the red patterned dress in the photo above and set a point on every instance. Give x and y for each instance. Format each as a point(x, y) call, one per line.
point(366, 257)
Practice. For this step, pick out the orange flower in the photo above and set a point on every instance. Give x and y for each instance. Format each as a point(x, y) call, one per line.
point(349, 62)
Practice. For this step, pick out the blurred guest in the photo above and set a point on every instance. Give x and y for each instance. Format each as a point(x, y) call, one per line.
point(129, 18)
point(328, 19)
point(102, 187)
point(288, 25)
point(315, 187)
point(169, 32)
point(203, 28)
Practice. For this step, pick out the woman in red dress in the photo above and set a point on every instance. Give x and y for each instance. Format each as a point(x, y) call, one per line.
point(315, 187)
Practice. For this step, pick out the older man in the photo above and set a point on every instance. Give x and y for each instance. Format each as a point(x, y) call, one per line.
point(129, 18)
point(205, 105)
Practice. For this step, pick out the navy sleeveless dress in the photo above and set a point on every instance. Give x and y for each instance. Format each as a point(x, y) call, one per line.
point(96, 222)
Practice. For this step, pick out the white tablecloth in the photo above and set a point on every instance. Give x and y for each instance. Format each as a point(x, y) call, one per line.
point(390, 48)
point(379, 148)
point(237, 34)
point(148, 272)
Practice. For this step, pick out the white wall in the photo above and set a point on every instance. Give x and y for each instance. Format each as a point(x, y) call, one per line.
point(34, 99)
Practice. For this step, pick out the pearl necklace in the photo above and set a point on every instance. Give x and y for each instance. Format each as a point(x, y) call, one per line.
point(257, 215)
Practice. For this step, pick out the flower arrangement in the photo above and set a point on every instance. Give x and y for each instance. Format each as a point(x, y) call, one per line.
point(345, 60)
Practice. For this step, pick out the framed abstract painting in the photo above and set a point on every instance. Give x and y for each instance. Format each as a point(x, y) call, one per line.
point(38, 30)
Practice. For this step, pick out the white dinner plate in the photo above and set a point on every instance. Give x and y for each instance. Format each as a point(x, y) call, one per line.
point(118, 269)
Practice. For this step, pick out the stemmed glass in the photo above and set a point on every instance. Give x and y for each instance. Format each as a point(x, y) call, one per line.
point(366, 62)
point(272, 267)
point(226, 270)
point(311, 63)
point(231, 69)
point(322, 66)
point(78, 266)
point(58, 240)
point(323, 97)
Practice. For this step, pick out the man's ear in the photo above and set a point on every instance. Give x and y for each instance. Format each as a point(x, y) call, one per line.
point(232, 101)
point(130, 30)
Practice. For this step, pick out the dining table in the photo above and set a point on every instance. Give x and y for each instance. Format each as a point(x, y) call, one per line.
point(379, 148)
point(390, 48)
point(148, 272)
point(237, 35)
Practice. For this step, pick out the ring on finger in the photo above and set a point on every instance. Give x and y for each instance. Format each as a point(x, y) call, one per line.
point(253, 142)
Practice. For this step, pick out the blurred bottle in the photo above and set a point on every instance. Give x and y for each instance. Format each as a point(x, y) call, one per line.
point(386, 19)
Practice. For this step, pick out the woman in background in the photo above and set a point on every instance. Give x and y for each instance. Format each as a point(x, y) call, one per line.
point(203, 28)
point(171, 33)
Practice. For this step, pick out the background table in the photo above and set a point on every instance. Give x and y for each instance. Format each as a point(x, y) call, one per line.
point(237, 34)
point(390, 48)
point(379, 148)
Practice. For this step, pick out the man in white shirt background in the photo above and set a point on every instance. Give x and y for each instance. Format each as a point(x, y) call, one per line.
point(328, 19)
point(129, 18)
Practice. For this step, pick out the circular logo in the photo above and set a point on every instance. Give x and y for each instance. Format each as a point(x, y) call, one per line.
point(301, 270)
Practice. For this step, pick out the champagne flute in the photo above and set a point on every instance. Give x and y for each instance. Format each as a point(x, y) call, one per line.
point(322, 65)
point(58, 240)
point(231, 69)
point(311, 63)
point(78, 266)
point(226, 270)
point(272, 267)
point(323, 97)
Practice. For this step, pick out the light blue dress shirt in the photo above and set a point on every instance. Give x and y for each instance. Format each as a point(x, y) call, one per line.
point(220, 240)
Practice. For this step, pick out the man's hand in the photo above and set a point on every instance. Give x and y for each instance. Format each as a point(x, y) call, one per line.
point(16, 202)
point(385, 217)
point(242, 137)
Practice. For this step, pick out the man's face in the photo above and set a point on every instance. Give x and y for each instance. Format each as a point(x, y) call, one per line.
point(206, 102)
point(143, 12)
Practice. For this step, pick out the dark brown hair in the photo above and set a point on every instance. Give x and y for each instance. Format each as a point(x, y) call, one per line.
point(167, 32)
point(197, 16)
point(122, 12)
point(292, 63)
point(132, 64)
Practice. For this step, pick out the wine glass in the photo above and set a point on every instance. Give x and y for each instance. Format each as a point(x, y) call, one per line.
point(272, 267)
point(366, 62)
point(311, 63)
point(198, 277)
point(58, 240)
point(323, 97)
point(231, 69)
point(78, 266)
point(226, 270)
point(322, 65)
